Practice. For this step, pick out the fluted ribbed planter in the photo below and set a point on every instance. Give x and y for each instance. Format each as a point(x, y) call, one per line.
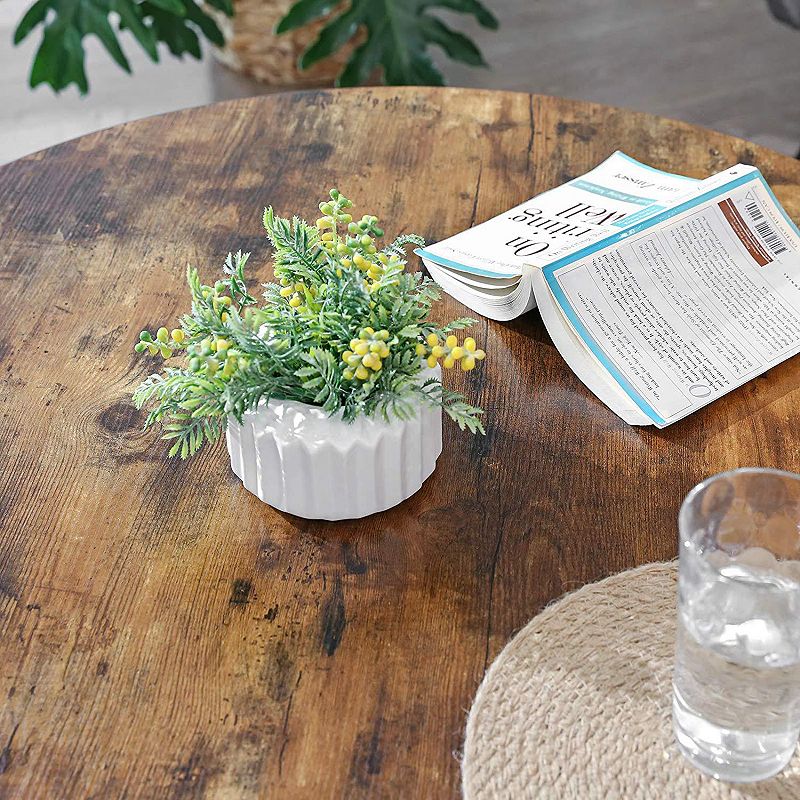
point(301, 461)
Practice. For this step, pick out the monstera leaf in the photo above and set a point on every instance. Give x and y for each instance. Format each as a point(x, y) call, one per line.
point(398, 34)
point(60, 58)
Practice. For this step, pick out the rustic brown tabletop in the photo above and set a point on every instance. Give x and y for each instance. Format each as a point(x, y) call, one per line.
point(164, 633)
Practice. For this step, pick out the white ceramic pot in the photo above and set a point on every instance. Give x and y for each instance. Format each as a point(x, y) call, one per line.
point(299, 460)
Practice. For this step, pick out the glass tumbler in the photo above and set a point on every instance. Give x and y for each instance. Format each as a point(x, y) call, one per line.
point(736, 683)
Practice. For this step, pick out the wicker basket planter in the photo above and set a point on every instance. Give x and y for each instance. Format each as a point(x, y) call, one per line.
point(252, 48)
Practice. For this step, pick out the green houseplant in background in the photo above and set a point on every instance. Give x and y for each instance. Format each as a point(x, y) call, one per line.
point(389, 37)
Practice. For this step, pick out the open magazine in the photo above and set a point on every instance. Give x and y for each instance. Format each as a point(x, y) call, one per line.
point(661, 296)
point(488, 267)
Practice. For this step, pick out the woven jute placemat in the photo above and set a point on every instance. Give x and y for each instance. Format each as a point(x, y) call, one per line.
point(578, 705)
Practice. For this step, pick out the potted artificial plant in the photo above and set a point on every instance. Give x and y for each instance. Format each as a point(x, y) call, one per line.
point(278, 42)
point(329, 390)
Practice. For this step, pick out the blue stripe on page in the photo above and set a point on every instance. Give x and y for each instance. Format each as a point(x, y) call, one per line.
point(641, 403)
point(446, 262)
point(614, 194)
point(780, 207)
point(566, 307)
point(654, 169)
point(650, 221)
point(638, 216)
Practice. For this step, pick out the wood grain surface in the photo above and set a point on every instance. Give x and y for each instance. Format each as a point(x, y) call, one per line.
point(165, 634)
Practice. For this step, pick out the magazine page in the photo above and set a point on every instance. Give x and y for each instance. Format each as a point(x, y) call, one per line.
point(498, 303)
point(691, 303)
point(581, 360)
point(616, 193)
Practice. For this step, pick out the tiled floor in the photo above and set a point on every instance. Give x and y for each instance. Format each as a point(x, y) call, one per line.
point(725, 64)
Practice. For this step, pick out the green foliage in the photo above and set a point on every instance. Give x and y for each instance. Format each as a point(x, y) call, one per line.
point(65, 24)
point(345, 327)
point(399, 33)
point(189, 407)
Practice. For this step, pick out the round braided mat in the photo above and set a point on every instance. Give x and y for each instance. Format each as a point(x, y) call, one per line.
point(578, 705)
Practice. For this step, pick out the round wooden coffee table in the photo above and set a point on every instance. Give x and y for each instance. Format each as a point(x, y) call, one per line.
point(165, 634)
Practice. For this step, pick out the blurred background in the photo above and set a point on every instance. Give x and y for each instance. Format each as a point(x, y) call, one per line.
point(725, 64)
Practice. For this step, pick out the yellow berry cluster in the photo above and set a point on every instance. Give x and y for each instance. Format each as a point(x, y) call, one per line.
point(451, 352)
point(215, 354)
point(333, 215)
point(356, 247)
point(363, 234)
point(366, 353)
point(359, 243)
point(296, 292)
point(219, 301)
point(375, 270)
point(165, 342)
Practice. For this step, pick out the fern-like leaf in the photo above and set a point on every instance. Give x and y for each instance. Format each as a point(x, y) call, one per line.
point(321, 375)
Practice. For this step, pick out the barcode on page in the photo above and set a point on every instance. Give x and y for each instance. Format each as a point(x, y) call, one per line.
point(763, 228)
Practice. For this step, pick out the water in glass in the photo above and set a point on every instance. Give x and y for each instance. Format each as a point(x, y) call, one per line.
point(736, 700)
